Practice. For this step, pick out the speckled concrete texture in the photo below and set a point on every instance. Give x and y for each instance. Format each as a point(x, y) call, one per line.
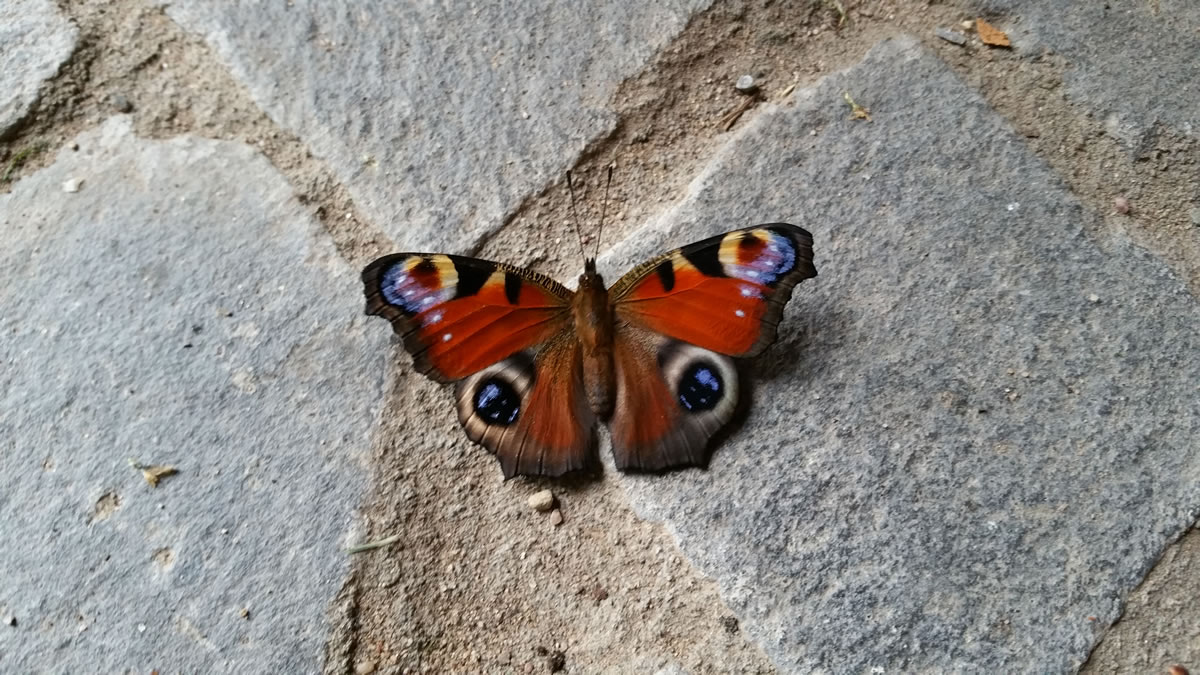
point(178, 308)
point(978, 430)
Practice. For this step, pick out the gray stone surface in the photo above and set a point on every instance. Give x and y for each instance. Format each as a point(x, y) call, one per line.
point(180, 309)
point(1133, 64)
point(1161, 623)
point(978, 429)
point(439, 119)
point(35, 40)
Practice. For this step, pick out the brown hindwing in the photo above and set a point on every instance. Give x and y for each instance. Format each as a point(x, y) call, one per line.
point(531, 412)
point(672, 397)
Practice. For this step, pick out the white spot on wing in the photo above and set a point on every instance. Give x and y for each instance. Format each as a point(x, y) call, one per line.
point(446, 337)
point(433, 318)
point(740, 313)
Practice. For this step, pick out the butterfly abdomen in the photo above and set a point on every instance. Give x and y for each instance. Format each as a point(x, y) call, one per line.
point(593, 317)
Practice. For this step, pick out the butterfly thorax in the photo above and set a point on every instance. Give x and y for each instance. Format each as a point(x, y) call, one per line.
point(593, 316)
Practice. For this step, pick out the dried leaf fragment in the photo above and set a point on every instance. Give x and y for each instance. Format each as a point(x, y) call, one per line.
point(837, 6)
point(372, 545)
point(991, 36)
point(153, 472)
point(857, 112)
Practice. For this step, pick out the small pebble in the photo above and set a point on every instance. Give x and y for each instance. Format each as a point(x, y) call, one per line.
point(967, 25)
point(541, 501)
point(557, 661)
point(10, 620)
point(120, 103)
point(951, 36)
point(364, 668)
point(71, 185)
point(1121, 205)
point(556, 518)
point(746, 84)
point(1177, 670)
point(1195, 215)
point(1093, 298)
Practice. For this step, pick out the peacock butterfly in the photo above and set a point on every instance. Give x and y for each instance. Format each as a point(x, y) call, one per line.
point(535, 365)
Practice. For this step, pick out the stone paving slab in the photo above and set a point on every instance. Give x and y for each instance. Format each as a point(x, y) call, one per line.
point(1151, 79)
point(978, 430)
point(35, 40)
point(440, 119)
point(179, 308)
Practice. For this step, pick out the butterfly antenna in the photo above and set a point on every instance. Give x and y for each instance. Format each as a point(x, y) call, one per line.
point(603, 209)
point(575, 214)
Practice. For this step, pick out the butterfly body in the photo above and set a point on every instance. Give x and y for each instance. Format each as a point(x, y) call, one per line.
point(592, 313)
point(535, 365)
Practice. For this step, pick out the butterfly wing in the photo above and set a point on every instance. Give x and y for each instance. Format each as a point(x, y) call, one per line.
point(504, 335)
point(679, 319)
point(672, 397)
point(459, 315)
point(530, 410)
point(725, 293)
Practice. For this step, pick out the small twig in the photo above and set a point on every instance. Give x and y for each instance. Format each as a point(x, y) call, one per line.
point(837, 6)
point(729, 120)
point(372, 545)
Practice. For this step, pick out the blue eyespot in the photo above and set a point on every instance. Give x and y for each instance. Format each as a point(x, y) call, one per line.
point(780, 258)
point(393, 285)
point(701, 387)
point(497, 402)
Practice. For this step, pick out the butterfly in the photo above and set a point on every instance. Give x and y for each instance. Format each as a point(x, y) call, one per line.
point(535, 365)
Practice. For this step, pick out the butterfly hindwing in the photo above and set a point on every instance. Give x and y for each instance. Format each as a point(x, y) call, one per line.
point(530, 411)
point(672, 397)
point(503, 334)
point(725, 293)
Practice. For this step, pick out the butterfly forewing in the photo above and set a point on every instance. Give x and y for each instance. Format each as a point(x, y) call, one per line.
point(725, 293)
point(504, 335)
point(459, 315)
